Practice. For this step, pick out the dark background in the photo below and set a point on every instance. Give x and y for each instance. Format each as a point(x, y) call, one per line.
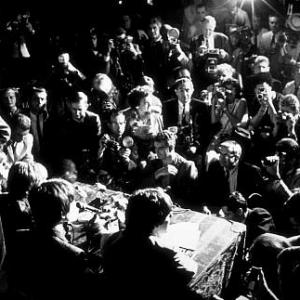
point(73, 14)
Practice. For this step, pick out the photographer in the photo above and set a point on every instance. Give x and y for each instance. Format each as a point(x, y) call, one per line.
point(163, 54)
point(210, 38)
point(208, 50)
point(104, 97)
point(228, 111)
point(263, 114)
point(169, 170)
point(287, 120)
point(95, 53)
point(143, 118)
point(117, 153)
point(242, 50)
point(64, 77)
point(190, 116)
point(175, 55)
point(282, 173)
point(127, 67)
point(18, 44)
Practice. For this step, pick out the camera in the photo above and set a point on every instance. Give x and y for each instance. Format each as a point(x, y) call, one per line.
point(284, 116)
point(212, 69)
point(213, 53)
point(223, 89)
point(260, 96)
point(173, 36)
point(269, 161)
point(212, 59)
point(127, 142)
point(204, 96)
point(111, 144)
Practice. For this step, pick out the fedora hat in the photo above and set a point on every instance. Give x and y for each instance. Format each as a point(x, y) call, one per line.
point(293, 22)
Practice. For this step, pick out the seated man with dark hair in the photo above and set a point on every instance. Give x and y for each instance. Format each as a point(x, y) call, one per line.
point(257, 220)
point(171, 171)
point(138, 262)
point(58, 269)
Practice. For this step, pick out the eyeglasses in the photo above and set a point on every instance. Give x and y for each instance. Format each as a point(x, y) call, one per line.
point(228, 155)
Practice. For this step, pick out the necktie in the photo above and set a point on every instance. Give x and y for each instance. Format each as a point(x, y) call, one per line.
point(273, 42)
point(184, 116)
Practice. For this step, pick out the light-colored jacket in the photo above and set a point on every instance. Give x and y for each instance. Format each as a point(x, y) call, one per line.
point(20, 151)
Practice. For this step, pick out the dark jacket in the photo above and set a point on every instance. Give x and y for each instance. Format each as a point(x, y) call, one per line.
point(143, 268)
point(181, 186)
point(216, 187)
point(200, 116)
point(258, 221)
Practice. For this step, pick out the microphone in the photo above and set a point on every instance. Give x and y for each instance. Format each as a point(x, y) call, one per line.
point(87, 207)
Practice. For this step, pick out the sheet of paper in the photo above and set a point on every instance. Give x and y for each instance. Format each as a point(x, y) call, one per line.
point(183, 235)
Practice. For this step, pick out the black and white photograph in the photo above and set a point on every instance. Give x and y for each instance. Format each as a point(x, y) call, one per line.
point(150, 150)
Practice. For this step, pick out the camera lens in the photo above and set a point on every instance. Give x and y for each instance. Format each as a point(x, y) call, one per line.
point(260, 97)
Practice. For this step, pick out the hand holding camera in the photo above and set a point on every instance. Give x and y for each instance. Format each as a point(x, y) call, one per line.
point(271, 166)
point(166, 171)
point(125, 154)
point(290, 122)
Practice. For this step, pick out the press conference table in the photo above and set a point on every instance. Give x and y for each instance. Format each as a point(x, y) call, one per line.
point(211, 241)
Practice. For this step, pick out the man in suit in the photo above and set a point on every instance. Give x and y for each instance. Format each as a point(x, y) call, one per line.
point(228, 174)
point(137, 258)
point(268, 44)
point(171, 171)
point(78, 135)
point(208, 50)
point(190, 115)
point(19, 147)
point(38, 115)
point(211, 39)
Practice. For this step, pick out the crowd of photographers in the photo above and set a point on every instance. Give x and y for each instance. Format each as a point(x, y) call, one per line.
point(211, 117)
